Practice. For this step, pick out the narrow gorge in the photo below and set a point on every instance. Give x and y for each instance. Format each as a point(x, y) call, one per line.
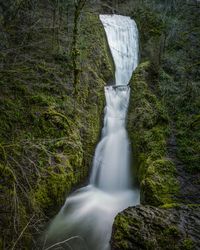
point(85, 221)
point(99, 125)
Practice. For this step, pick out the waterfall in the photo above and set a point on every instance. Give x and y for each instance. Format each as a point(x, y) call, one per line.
point(122, 35)
point(85, 221)
point(112, 159)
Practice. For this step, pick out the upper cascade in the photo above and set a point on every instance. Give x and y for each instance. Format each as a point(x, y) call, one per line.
point(122, 35)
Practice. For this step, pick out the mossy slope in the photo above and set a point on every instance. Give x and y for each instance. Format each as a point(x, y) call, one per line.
point(47, 137)
point(148, 126)
point(163, 127)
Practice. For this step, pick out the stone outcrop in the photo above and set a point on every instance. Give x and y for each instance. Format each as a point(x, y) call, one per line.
point(148, 227)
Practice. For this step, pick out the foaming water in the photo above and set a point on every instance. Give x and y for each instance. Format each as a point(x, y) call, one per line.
point(85, 221)
point(87, 216)
point(112, 157)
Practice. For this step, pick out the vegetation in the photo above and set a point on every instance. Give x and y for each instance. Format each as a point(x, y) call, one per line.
point(169, 39)
point(149, 118)
point(54, 62)
point(46, 146)
point(163, 125)
point(165, 98)
point(132, 232)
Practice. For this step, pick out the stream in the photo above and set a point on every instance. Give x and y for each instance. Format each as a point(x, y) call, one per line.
point(85, 220)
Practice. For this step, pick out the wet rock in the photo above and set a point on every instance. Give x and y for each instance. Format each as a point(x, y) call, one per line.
point(148, 227)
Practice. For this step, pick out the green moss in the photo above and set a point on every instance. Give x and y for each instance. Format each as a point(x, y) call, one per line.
point(188, 137)
point(160, 181)
point(52, 189)
point(91, 44)
point(171, 231)
point(188, 244)
point(170, 205)
point(148, 127)
point(46, 145)
point(146, 227)
point(164, 100)
point(122, 230)
point(169, 238)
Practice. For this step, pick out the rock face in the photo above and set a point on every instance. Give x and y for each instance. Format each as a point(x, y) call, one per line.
point(148, 127)
point(163, 125)
point(148, 227)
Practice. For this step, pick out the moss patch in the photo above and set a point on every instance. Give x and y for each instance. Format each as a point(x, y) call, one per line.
point(148, 227)
point(148, 126)
point(46, 145)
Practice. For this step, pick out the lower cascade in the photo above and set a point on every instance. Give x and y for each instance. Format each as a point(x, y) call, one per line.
point(85, 221)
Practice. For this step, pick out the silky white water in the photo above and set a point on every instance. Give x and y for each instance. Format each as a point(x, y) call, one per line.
point(122, 35)
point(85, 221)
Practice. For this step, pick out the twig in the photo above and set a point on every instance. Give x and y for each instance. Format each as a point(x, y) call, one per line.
point(23, 173)
point(61, 242)
point(22, 233)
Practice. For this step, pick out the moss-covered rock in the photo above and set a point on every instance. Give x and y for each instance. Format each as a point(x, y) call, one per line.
point(163, 128)
point(147, 227)
point(148, 126)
